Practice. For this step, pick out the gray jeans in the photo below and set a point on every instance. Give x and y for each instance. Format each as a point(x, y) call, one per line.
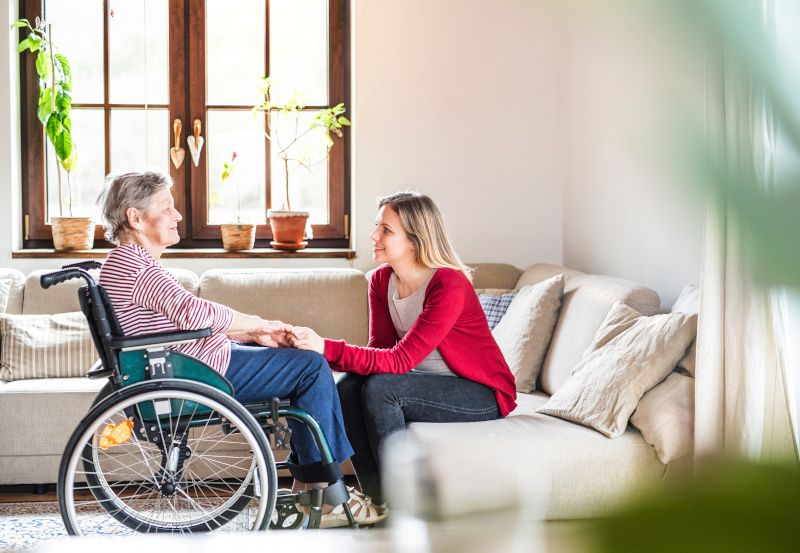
point(376, 406)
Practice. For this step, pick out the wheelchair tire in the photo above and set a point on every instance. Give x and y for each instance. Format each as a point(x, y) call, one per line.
point(137, 486)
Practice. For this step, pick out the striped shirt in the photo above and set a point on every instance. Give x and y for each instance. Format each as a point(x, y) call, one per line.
point(147, 298)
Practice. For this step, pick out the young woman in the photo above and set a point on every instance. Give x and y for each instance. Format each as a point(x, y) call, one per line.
point(431, 356)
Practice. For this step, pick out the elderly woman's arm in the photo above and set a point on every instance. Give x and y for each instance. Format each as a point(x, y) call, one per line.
point(157, 290)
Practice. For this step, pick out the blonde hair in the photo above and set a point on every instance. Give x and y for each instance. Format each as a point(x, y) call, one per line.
point(423, 223)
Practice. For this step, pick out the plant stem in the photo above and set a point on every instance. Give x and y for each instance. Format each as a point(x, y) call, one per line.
point(52, 109)
point(286, 181)
point(238, 205)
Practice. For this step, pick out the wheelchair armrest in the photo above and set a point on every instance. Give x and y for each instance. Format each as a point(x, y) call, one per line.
point(142, 341)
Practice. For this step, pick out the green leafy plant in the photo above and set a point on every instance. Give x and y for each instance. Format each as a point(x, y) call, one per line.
point(55, 98)
point(326, 121)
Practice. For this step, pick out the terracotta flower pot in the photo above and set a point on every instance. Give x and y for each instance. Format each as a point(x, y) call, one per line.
point(238, 237)
point(72, 233)
point(288, 229)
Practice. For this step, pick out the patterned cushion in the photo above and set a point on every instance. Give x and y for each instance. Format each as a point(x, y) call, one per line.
point(45, 346)
point(495, 306)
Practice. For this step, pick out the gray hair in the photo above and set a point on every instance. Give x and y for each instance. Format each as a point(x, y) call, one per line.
point(121, 192)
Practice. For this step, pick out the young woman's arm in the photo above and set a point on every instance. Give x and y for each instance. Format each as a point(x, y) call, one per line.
point(444, 303)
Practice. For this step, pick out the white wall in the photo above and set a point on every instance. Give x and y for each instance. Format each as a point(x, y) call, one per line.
point(460, 99)
point(630, 209)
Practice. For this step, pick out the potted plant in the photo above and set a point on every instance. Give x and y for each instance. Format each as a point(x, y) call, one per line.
point(54, 109)
point(239, 236)
point(289, 227)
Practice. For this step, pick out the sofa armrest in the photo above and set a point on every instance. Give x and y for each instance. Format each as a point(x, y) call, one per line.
point(143, 341)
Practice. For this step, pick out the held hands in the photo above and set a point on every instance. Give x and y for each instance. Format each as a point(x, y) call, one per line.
point(277, 334)
point(305, 338)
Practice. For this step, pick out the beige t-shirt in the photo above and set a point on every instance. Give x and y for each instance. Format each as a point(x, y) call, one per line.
point(404, 313)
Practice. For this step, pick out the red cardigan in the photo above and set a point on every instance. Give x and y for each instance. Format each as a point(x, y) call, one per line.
point(452, 320)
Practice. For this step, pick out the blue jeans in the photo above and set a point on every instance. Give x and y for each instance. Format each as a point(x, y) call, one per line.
point(304, 377)
point(379, 405)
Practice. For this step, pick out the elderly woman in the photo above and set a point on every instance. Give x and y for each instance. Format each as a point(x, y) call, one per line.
point(140, 217)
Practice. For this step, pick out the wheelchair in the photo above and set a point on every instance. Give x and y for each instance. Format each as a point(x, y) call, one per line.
point(165, 447)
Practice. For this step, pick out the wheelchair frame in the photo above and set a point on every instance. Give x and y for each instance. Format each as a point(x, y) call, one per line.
point(143, 366)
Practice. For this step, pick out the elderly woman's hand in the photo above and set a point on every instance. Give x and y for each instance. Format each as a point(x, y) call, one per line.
point(272, 334)
point(306, 338)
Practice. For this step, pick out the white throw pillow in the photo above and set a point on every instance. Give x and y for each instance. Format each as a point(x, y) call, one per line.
point(524, 332)
point(45, 346)
point(665, 417)
point(5, 293)
point(688, 302)
point(630, 354)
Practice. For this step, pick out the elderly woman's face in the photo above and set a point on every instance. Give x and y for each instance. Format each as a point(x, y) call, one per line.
point(160, 222)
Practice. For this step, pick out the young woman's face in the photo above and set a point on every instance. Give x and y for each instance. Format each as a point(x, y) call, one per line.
point(159, 223)
point(390, 243)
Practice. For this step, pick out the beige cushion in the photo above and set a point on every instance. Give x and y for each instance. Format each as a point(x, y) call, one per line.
point(665, 416)
point(63, 298)
point(331, 301)
point(5, 293)
point(16, 290)
point(631, 353)
point(524, 332)
point(688, 302)
point(494, 275)
point(574, 473)
point(587, 299)
point(45, 346)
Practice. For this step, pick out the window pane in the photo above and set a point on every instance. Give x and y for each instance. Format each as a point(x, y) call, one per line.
point(299, 50)
point(81, 44)
point(86, 179)
point(140, 140)
point(235, 46)
point(240, 132)
point(307, 163)
point(138, 52)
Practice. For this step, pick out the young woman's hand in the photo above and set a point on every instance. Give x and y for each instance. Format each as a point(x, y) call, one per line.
point(306, 338)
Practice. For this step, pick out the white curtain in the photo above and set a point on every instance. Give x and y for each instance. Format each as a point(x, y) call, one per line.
point(742, 404)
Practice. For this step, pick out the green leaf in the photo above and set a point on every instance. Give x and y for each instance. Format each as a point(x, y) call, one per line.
point(69, 163)
point(19, 23)
point(24, 45)
point(67, 122)
point(65, 69)
point(45, 107)
point(53, 127)
point(63, 100)
point(63, 145)
point(344, 121)
point(43, 65)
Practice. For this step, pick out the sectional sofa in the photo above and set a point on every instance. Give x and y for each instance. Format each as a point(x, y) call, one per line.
point(583, 469)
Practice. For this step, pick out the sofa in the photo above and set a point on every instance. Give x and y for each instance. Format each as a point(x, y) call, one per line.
point(583, 470)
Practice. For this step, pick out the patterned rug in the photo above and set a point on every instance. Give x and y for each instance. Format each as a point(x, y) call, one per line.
point(26, 525)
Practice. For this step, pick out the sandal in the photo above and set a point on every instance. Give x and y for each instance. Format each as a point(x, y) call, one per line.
point(364, 512)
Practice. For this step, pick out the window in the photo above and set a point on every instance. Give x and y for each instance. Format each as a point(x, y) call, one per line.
point(140, 66)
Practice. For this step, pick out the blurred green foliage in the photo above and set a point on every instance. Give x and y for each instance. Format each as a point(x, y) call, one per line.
point(727, 507)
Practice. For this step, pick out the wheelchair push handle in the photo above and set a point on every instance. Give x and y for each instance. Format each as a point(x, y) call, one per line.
point(51, 279)
point(85, 265)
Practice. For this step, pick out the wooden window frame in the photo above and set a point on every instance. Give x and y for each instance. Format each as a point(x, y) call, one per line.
point(187, 102)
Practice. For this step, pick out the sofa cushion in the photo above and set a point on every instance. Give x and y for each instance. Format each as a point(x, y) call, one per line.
point(64, 297)
point(61, 403)
point(494, 275)
point(524, 333)
point(16, 288)
point(331, 301)
point(579, 471)
point(631, 353)
point(495, 303)
point(45, 346)
point(5, 293)
point(688, 302)
point(665, 416)
point(587, 300)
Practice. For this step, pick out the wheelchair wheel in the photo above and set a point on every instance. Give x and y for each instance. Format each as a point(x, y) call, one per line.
point(167, 456)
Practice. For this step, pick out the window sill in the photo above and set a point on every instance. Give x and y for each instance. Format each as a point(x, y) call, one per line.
point(200, 253)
